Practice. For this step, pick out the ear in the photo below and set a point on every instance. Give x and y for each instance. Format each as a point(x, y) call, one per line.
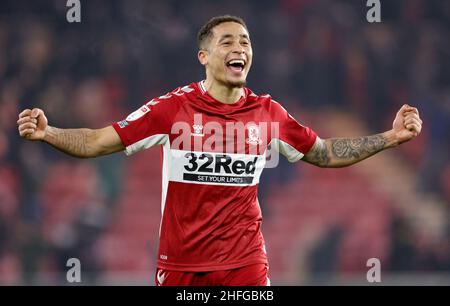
point(203, 57)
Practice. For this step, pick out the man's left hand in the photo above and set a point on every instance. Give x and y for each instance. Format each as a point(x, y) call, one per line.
point(407, 124)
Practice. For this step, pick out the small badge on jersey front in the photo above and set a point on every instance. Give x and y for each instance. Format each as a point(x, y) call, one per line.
point(253, 135)
point(198, 128)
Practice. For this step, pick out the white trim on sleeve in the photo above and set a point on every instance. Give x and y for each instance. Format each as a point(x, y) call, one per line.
point(146, 143)
point(292, 154)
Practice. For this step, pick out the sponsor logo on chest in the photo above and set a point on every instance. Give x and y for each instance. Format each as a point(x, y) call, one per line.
point(215, 168)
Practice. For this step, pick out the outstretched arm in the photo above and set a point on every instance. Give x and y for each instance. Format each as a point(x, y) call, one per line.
point(82, 143)
point(341, 152)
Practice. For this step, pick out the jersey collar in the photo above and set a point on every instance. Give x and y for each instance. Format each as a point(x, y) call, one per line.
point(201, 86)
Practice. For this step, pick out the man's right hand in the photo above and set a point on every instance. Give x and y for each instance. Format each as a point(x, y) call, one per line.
point(32, 124)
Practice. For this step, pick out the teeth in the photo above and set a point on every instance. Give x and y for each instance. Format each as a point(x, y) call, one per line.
point(236, 62)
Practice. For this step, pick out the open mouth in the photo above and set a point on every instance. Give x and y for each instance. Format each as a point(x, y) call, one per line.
point(236, 65)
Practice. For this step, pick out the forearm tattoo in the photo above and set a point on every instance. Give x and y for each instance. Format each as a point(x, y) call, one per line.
point(340, 152)
point(357, 148)
point(70, 141)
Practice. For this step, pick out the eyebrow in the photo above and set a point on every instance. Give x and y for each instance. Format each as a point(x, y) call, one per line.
point(225, 36)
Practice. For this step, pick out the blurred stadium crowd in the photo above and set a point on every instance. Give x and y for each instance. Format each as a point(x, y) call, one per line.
point(309, 55)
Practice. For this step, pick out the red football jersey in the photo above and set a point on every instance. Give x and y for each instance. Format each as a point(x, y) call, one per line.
point(214, 154)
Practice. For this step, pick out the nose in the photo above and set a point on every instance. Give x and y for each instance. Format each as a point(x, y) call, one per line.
point(239, 50)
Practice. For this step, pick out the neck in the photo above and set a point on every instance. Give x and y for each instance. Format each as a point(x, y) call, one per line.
point(223, 93)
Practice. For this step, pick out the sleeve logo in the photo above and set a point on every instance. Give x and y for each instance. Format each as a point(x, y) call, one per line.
point(138, 114)
point(122, 123)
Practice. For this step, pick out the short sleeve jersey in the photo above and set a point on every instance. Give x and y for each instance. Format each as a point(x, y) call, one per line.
point(213, 156)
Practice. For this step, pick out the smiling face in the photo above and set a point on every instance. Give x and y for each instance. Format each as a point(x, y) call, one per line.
point(227, 55)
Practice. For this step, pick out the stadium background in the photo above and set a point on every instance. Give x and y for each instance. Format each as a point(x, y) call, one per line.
point(322, 60)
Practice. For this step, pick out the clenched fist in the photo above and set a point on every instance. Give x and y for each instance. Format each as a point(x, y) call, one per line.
point(32, 124)
point(407, 124)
